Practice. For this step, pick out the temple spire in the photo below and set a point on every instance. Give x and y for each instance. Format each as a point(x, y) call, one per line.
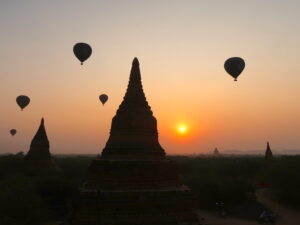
point(216, 152)
point(134, 128)
point(135, 75)
point(40, 137)
point(268, 154)
point(39, 147)
point(38, 159)
point(268, 150)
point(135, 97)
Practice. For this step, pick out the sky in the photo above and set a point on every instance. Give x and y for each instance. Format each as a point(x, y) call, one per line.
point(181, 46)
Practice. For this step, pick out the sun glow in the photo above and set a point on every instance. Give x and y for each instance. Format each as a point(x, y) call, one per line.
point(182, 129)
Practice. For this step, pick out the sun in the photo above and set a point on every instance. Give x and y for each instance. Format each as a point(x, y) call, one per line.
point(182, 129)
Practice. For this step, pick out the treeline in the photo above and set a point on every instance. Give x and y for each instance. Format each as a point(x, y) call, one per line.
point(283, 176)
point(233, 180)
point(216, 179)
point(33, 200)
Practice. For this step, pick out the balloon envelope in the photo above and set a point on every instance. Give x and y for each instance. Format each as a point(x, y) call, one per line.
point(82, 51)
point(13, 132)
point(234, 66)
point(103, 98)
point(23, 101)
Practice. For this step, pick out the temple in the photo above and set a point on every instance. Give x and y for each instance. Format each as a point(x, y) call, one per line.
point(268, 154)
point(132, 182)
point(38, 159)
point(216, 152)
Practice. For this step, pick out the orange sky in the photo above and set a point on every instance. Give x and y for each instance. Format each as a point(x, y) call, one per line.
point(181, 46)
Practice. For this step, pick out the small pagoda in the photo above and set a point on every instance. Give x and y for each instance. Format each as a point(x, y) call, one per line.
point(39, 159)
point(132, 182)
point(216, 152)
point(268, 154)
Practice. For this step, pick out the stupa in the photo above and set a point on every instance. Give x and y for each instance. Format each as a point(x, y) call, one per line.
point(216, 152)
point(132, 182)
point(39, 159)
point(268, 154)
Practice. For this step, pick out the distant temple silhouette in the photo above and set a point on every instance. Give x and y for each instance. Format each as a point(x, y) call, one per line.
point(268, 154)
point(216, 152)
point(132, 182)
point(38, 159)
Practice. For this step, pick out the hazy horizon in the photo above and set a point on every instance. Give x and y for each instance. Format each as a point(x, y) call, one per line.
point(181, 46)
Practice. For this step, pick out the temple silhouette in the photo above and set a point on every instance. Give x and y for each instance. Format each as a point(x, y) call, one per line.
point(268, 154)
point(132, 182)
point(216, 152)
point(39, 159)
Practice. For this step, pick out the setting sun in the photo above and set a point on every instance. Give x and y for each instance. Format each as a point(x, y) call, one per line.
point(182, 129)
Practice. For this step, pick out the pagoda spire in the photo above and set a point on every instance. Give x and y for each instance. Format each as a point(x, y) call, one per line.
point(40, 137)
point(134, 97)
point(268, 154)
point(38, 157)
point(268, 150)
point(216, 152)
point(39, 147)
point(134, 128)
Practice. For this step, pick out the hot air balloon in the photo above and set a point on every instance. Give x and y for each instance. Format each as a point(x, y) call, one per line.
point(13, 132)
point(234, 66)
point(82, 51)
point(103, 98)
point(23, 101)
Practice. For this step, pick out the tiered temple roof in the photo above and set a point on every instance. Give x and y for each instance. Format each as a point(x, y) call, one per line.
point(132, 182)
point(134, 128)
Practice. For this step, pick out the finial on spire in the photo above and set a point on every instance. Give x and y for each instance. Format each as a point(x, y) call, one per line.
point(42, 121)
point(135, 62)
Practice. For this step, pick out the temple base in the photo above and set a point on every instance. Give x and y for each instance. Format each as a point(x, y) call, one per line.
point(167, 206)
point(114, 174)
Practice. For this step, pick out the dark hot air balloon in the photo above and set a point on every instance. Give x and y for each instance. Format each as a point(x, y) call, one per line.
point(103, 98)
point(23, 101)
point(82, 51)
point(13, 132)
point(234, 66)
